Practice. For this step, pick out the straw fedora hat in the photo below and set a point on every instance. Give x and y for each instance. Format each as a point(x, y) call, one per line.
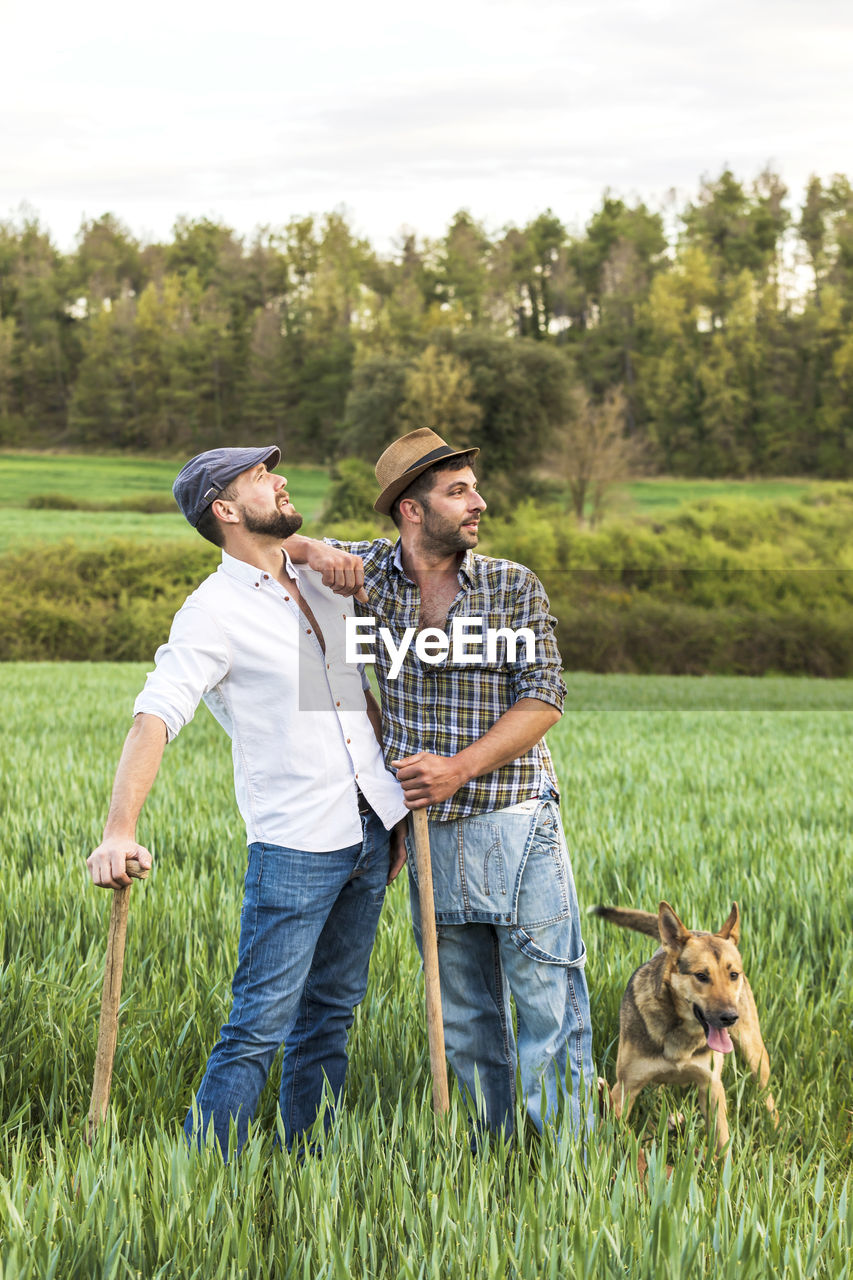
point(405, 459)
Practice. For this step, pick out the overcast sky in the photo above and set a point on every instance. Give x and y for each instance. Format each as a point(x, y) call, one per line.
point(402, 113)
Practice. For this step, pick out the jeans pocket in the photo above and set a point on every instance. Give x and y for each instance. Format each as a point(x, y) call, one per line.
point(546, 892)
point(550, 945)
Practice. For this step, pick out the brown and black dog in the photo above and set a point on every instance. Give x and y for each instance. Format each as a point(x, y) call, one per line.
point(681, 1010)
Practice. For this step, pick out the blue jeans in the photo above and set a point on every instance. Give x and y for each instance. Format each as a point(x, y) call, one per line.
point(537, 956)
point(306, 933)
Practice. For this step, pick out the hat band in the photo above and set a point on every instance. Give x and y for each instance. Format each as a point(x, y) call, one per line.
point(443, 452)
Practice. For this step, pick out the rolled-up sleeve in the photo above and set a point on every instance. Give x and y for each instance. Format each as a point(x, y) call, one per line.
point(542, 678)
point(193, 661)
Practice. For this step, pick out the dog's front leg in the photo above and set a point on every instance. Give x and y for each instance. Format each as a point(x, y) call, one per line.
point(632, 1076)
point(712, 1104)
point(621, 1100)
point(747, 1035)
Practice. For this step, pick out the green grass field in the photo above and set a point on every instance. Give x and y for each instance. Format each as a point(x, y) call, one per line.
point(93, 478)
point(701, 791)
point(90, 478)
point(665, 492)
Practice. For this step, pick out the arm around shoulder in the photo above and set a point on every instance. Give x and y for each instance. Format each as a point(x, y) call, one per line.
point(341, 572)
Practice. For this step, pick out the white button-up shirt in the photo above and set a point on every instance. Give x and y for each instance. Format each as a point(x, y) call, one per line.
point(301, 739)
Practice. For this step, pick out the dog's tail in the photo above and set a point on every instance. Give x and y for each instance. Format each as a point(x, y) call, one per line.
point(641, 921)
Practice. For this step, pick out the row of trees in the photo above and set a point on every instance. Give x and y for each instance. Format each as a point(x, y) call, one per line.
point(727, 346)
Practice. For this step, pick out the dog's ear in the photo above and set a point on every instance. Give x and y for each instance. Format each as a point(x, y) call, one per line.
point(673, 934)
point(731, 929)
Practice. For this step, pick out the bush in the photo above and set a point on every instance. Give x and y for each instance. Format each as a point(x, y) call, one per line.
point(352, 493)
point(736, 588)
point(111, 603)
point(146, 503)
point(648, 636)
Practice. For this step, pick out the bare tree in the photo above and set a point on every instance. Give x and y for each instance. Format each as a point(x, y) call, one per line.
point(593, 454)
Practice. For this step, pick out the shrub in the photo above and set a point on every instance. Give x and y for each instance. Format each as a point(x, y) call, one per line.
point(147, 503)
point(738, 588)
point(111, 603)
point(352, 493)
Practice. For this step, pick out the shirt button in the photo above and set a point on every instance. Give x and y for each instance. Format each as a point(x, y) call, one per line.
point(287, 597)
point(257, 584)
point(308, 631)
point(266, 577)
point(349, 739)
point(337, 704)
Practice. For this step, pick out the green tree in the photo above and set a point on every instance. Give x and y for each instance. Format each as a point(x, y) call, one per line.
point(104, 409)
point(438, 391)
point(463, 268)
point(44, 352)
point(107, 263)
point(529, 275)
point(373, 405)
point(522, 388)
point(613, 266)
point(674, 316)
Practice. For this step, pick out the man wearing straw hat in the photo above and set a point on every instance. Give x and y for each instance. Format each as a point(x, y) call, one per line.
point(466, 701)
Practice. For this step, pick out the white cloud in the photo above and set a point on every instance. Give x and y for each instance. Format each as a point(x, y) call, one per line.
point(257, 113)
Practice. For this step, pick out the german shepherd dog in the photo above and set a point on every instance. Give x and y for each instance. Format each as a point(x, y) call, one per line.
point(680, 1011)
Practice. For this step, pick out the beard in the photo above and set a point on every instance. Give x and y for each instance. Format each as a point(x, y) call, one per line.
point(275, 524)
point(443, 536)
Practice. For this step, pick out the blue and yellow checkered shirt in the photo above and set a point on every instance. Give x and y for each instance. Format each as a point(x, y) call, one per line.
point(443, 708)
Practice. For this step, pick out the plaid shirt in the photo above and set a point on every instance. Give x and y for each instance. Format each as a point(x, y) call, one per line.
point(443, 708)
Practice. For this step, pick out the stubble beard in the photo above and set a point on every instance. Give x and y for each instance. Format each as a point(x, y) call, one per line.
point(440, 536)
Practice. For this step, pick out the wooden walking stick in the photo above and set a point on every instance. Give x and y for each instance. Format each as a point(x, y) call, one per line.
point(429, 943)
point(110, 998)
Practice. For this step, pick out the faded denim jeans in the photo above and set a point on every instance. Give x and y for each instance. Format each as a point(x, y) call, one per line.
point(509, 925)
point(306, 934)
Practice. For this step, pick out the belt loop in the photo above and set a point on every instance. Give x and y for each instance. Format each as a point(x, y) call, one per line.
point(361, 800)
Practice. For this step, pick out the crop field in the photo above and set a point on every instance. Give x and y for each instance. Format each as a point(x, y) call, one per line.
point(701, 791)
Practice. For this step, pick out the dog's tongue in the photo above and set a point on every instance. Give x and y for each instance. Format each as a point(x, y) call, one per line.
point(719, 1040)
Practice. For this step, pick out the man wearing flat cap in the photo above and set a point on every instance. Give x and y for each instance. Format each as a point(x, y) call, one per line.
point(263, 644)
point(464, 719)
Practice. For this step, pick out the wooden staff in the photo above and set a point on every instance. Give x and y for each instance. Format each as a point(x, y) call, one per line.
point(110, 998)
point(429, 944)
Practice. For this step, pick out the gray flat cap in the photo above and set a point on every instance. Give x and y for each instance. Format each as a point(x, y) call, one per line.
point(203, 478)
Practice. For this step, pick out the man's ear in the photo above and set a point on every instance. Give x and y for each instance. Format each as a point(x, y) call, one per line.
point(225, 510)
point(411, 510)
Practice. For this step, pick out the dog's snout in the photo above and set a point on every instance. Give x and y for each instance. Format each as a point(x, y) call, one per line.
point(727, 1019)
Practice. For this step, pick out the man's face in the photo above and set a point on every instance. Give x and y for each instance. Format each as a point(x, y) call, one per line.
point(451, 512)
point(264, 503)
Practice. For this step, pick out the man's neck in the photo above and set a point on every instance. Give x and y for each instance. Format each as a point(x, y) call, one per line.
point(423, 564)
point(262, 553)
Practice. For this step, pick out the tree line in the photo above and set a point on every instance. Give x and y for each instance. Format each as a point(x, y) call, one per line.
point(722, 332)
